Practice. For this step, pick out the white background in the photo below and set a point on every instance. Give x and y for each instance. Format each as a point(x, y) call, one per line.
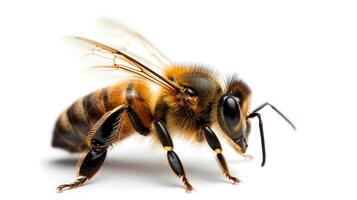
point(299, 55)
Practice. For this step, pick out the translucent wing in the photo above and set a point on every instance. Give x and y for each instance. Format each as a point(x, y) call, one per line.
point(127, 40)
point(123, 61)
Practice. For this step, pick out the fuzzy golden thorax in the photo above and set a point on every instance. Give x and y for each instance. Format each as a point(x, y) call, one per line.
point(194, 105)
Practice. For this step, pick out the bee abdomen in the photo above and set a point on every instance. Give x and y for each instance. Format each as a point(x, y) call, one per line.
point(73, 125)
point(65, 136)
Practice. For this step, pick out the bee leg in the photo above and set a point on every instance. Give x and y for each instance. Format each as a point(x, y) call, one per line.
point(105, 133)
point(172, 157)
point(215, 145)
point(91, 163)
point(136, 122)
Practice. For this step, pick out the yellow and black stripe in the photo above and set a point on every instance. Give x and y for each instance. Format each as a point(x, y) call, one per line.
point(73, 125)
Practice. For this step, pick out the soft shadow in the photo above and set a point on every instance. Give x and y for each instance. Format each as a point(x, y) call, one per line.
point(64, 162)
point(153, 171)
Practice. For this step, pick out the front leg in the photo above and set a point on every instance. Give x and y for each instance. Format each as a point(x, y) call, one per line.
point(215, 145)
point(172, 157)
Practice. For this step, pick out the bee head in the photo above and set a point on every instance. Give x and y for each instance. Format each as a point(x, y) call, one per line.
point(233, 115)
point(233, 108)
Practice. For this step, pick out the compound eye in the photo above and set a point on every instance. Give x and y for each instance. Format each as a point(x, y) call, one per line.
point(230, 113)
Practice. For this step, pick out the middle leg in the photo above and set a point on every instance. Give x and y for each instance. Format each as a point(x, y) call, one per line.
point(172, 157)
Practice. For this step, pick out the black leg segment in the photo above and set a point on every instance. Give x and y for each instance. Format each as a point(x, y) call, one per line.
point(212, 139)
point(108, 130)
point(136, 122)
point(92, 162)
point(106, 133)
point(172, 157)
point(215, 145)
point(89, 166)
point(175, 163)
point(163, 135)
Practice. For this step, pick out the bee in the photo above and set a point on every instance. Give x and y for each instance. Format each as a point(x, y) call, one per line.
point(189, 101)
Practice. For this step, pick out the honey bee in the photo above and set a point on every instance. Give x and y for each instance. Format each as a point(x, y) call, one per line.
point(190, 100)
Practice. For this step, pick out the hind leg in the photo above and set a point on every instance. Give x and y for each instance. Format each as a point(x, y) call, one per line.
point(105, 132)
point(89, 165)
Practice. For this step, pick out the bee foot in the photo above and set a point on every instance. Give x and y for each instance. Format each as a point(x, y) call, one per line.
point(233, 179)
point(187, 185)
point(79, 181)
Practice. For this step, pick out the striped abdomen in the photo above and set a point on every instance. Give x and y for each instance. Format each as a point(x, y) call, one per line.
point(73, 125)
